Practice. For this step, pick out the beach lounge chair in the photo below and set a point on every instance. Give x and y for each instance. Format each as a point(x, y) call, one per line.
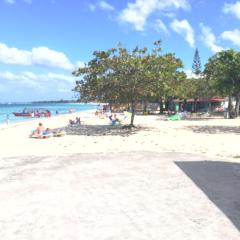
point(59, 133)
point(173, 118)
point(41, 135)
point(178, 116)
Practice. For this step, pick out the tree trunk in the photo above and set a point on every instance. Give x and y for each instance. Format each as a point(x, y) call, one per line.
point(128, 107)
point(110, 105)
point(184, 105)
point(166, 105)
point(229, 106)
point(209, 106)
point(144, 106)
point(160, 102)
point(195, 105)
point(170, 104)
point(133, 113)
point(237, 105)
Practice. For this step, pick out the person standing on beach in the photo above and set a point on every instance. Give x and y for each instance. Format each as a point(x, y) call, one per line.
point(7, 119)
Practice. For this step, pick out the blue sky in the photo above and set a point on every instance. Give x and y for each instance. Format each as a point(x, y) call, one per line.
point(42, 41)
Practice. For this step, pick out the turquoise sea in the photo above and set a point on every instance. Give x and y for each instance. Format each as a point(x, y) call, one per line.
point(6, 110)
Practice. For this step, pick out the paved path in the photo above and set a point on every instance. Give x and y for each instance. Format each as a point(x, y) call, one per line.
point(135, 196)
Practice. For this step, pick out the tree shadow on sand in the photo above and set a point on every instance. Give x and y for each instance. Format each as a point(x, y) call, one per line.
point(220, 181)
point(101, 130)
point(215, 129)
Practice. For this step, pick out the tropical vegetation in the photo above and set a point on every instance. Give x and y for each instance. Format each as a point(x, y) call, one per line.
point(119, 75)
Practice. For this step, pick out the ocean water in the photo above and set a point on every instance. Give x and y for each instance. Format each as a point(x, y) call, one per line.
point(6, 110)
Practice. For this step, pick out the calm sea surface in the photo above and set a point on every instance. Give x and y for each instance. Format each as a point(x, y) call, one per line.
point(6, 110)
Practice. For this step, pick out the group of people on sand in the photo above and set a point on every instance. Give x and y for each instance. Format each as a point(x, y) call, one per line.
point(101, 110)
point(41, 132)
point(114, 119)
point(77, 121)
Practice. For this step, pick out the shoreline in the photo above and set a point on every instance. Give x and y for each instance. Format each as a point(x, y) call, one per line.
point(211, 138)
point(7, 117)
point(4, 126)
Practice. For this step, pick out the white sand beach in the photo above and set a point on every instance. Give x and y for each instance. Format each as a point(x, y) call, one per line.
point(163, 180)
point(211, 137)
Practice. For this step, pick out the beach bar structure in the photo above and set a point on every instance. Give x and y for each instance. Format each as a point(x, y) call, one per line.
point(200, 104)
point(214, 104)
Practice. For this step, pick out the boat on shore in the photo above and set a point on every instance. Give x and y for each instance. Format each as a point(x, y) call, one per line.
point(33, 112)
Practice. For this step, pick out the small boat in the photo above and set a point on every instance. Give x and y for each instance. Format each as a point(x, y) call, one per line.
point(33, 112)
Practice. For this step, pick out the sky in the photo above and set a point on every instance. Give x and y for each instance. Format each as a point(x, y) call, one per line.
point(43, 41)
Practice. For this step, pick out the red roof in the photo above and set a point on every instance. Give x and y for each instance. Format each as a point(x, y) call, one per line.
point(202, 99)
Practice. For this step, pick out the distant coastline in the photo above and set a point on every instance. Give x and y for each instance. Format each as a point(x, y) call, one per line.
point(48, 102)
point(40, 102)
point(55, 101)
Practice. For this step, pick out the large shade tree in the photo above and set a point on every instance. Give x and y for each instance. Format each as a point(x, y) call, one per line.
point(223, 74)
point(165, 75)
point(121, 76)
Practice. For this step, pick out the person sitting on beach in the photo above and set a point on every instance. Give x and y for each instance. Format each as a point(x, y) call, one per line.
point(110, 118)
point(76, 122)
point(41, 132)
point(71, 122)
point(40, 128)
point(114, 119)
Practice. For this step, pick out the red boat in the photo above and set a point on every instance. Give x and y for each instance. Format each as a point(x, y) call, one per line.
point(33, 112)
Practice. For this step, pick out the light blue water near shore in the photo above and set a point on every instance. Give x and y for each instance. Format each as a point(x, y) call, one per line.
point(6, 110)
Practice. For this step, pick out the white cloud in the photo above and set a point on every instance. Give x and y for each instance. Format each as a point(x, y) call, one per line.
point(47, 57)
point(161, 26)
point(137, 13)
point(184, 28)
point(80, 64)
point(30, 86)
point(209, 39)
point(2, 88)
point(14, 55)
point(102, 5)
point(14, 1)
point(37, 56)
point(169, 14)
point(61, 77)
point(106, 6)
point(92, 7)
point(232, 9)
point(38, 78)
point(190, 74)
point(37, 83)
point(233, 36)
point(10, 1)
point(7, 75)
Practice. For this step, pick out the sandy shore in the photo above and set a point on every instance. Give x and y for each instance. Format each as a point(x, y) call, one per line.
point(211, 137)
point(164, 180)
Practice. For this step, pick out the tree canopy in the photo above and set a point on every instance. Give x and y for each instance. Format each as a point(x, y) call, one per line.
point(223, 74)
point(196, 66)
point(118, 75)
